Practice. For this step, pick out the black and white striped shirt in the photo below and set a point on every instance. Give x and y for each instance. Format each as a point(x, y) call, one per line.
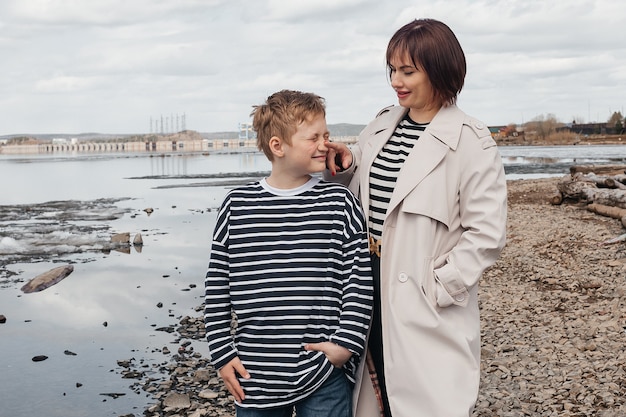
point(294, 267)
point(385, 170)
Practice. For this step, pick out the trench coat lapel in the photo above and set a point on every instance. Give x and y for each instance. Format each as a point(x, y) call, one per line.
point(441, 135)
point(382, 129)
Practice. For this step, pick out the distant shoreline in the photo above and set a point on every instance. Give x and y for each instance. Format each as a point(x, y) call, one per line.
point(582, 141)
point(191, 144)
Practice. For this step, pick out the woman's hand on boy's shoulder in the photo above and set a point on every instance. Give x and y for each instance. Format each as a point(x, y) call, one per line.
point(337, 355)
point(229, 374)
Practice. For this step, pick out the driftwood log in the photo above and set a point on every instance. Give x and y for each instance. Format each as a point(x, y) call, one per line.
point(604, 181)
point(604, 195)
point(598, 169)
point(588, 192)
point(608, 211)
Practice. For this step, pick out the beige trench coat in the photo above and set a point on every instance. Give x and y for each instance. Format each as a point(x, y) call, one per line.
point(446, 223)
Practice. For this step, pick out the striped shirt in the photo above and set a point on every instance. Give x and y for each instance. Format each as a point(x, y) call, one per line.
point(293, 266)
point(385, 171)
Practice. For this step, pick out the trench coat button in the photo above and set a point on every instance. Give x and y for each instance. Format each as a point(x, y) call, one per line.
point(479, 125)
point(459, 298)
point(403, 277)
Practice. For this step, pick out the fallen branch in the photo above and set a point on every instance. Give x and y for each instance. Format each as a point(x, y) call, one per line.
point(620, 238)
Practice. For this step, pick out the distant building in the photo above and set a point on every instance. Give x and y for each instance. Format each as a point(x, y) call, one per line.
point(588, 128)
point(246, 132)
point(509, 131)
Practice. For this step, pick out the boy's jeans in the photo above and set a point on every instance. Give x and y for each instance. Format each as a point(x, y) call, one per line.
point(332, 399)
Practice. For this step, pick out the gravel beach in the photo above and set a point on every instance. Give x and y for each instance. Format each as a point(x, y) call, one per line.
point(553, 315)
point(553, 312)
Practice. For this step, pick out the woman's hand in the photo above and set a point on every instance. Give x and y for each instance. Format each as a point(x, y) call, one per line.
point(229, 372)
point(337, 355)
point(338, 157)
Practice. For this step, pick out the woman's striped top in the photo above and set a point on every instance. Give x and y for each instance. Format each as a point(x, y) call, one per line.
point(294, 268)
point(385, 171)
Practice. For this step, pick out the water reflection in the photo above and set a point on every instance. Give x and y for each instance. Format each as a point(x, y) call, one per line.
point(520, 160)
point(252, 162)
point(169, 165)
point(534, 161)
point(599, 153)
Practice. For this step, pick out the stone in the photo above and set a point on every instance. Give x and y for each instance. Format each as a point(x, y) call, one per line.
point(47, 279)
point(202, 375)
point(138, 240)
point(208, 394)
point(121, 238)
point(176, 401)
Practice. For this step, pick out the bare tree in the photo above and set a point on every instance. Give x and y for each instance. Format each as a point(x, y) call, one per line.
point(543, 126)
point(616, 120)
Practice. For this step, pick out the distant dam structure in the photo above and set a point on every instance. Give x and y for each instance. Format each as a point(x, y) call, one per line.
point(73, 146)
point(144, 146)
point(95, 147)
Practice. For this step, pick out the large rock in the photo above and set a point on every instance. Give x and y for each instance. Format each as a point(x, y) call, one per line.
point(47, 279)
point(121, 238)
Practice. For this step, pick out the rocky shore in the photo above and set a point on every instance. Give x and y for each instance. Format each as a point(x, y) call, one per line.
point(553, 312)
point(553, 317)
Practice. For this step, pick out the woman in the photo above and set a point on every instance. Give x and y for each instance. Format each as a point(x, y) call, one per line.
point(431, 180)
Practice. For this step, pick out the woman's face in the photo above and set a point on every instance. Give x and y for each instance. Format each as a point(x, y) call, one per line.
point(413, 89)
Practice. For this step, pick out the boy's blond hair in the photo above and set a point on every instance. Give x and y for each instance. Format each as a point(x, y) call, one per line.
point(281, 114)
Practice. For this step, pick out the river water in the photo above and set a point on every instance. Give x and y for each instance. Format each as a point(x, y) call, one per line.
point(112, 305)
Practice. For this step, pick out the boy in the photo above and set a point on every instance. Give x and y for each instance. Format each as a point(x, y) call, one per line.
point(290, 259)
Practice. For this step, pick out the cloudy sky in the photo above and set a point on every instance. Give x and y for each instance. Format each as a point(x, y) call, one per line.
point(112, 66)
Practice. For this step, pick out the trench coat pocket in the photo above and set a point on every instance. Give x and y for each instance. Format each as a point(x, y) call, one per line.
point(429, 284)
point(436, 292)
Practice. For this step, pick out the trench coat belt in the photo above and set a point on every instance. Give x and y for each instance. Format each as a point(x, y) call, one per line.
point(375, 246)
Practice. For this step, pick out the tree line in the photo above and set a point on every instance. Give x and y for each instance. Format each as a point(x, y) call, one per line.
point(545, 126)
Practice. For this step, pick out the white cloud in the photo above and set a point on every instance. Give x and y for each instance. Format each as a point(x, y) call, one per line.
point(62, 85)
point(108, 66)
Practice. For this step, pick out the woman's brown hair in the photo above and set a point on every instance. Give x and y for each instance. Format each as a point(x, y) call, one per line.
point(432, 45)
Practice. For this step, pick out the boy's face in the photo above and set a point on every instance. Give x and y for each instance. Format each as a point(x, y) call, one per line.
point(307, 152)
